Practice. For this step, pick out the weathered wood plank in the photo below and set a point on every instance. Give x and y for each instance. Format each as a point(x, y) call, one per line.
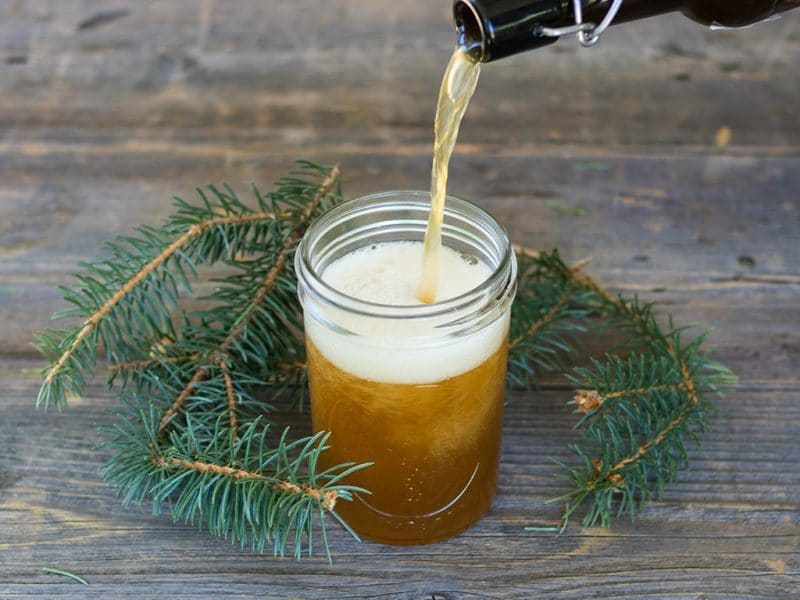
point(297, 73)
point(731, 523)
point(714, 216)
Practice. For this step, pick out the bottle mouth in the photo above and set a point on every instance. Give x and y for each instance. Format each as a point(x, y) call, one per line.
point(471, 33)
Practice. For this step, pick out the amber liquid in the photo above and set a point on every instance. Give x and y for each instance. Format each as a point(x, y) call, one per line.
point(435, 447)
point(458, 85)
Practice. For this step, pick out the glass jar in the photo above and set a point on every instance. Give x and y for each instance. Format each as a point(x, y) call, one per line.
point(416, 389)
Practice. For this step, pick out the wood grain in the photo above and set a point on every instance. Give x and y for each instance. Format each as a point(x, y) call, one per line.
point(668, 154)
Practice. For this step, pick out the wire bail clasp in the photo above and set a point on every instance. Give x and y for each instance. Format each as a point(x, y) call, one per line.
point(588, 33)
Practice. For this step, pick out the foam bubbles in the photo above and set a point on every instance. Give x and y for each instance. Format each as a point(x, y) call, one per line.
point(407, 351)
point(389, 273)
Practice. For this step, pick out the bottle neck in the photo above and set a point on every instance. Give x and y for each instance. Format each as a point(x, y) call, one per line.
point(493, 29)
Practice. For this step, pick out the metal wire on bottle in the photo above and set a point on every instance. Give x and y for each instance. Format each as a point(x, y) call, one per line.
point(588, 33)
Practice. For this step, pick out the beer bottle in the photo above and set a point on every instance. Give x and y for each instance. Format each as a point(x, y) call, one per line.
point(492, 29)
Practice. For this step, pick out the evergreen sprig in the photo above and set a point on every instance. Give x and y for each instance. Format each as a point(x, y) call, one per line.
point(636, 411)
point(192, 431)
point(549, 312)
point(240, 487)
point(127, 301)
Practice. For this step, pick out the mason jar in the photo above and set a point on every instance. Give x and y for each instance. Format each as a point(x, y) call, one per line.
point(416, 389)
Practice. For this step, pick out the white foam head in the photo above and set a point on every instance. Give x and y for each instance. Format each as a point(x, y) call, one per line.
point(401, 350)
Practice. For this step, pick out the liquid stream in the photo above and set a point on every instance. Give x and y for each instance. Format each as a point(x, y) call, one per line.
point(458, 85)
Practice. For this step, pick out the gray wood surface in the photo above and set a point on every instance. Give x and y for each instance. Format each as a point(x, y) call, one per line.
point(668, 154)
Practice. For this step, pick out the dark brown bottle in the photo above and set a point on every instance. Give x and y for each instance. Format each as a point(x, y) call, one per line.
point(492, 29)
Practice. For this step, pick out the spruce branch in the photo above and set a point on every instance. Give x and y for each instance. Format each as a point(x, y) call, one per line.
point(179, 401)
point(217, 466)
point(96, 317)
point(545, 319)
point(129, 296)
point(636, 412)
point(326, 498)
point(240, 326)
point(549, 312)
point(243, 489)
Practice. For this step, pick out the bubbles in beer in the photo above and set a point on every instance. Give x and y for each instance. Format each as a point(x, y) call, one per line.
point(388, 273)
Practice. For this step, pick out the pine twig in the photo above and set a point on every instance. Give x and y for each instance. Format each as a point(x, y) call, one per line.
point(226, 374)
point(655, 441)
point(548, 313)
point(687, 385)
point(94, 319)
point(205, 365)
point(544, 320)
point(266, 286)
point(178, 403)
point(635, 414)
point(590, 400)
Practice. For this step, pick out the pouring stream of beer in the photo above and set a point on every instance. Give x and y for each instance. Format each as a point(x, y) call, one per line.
point(458, 85)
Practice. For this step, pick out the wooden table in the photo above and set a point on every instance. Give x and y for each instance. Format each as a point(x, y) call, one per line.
point(668, 154)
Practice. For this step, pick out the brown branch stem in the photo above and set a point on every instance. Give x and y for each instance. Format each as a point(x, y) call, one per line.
point(644, 448)
point(589, 400)
point(644, 390)
point(548, 317)
point(194, 231)
point(231, 397)
point(199, 376)
point(327, 498)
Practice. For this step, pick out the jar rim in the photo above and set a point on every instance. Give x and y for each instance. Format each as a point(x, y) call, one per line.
point(502, 278)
